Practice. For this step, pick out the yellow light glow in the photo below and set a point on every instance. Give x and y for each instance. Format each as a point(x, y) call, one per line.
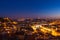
point(4, 27)
point(45, 30)
point(54, 33)
point(14, 22)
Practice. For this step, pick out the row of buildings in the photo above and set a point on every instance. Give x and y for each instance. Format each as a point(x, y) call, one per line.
point(25, 29)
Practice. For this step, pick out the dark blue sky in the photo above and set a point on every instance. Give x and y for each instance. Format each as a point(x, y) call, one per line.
point(30, 8)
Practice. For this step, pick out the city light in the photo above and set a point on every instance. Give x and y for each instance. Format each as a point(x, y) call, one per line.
point(30, 28)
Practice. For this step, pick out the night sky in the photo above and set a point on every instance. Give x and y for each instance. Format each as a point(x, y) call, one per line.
point(29, 8)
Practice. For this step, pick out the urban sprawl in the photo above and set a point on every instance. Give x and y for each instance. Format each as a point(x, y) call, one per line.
point(29, 29)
